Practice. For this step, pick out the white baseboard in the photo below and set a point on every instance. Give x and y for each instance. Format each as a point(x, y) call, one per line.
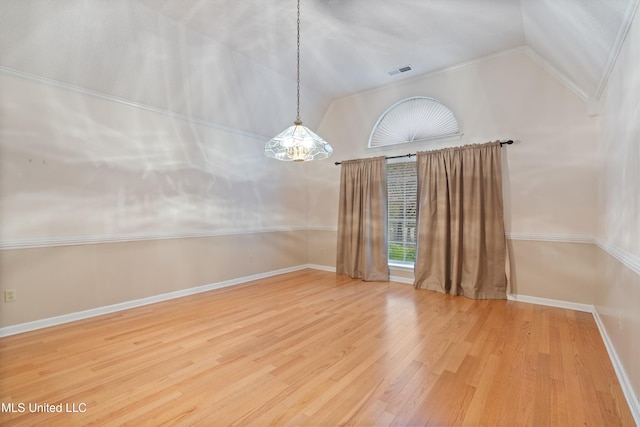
point(80, 315)
point(552, 302)
point(333, 270)
point(623, 379)
point(321, 267)
point(399, 279)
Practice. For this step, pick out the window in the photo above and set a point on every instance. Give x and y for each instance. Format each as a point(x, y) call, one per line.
point(402, 189)
point(414, 119)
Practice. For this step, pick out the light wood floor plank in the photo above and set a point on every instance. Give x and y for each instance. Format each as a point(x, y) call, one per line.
point(313, 348)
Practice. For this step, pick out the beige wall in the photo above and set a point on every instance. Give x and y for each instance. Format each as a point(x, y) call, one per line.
point(560, 271)
point(550, 173)
point(617, 296)
point(54, 281)
point(553, 270)
point(321, 247)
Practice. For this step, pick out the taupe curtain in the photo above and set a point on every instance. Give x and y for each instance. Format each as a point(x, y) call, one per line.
point(461, 246)
point(362, 220)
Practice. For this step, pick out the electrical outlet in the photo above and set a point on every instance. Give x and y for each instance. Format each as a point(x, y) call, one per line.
point(10, 295)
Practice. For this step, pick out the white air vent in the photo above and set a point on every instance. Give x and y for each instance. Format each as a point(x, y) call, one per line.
point(400, 70)
point(414, 119)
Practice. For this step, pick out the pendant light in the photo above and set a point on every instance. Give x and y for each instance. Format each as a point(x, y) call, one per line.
point(298, 143)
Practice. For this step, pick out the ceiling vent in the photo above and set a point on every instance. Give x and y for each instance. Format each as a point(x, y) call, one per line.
point(414, 119)
point(400, 70)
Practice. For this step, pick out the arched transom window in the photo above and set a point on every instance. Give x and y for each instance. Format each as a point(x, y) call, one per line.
point(414, 119)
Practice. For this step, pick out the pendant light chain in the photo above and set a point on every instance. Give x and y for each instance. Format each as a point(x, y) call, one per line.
point(297, 143)
point(298, 67)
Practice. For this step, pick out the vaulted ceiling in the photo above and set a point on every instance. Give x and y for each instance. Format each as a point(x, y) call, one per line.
point(201, 58)
point(350, 45)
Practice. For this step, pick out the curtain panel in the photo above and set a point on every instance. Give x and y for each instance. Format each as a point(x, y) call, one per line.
point(362, 220)
point(461, 246)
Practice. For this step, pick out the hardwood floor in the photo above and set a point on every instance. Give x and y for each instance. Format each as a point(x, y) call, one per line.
point(312, 348)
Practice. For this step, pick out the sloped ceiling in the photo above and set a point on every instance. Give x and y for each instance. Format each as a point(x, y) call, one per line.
point(349, 45)
point(208, 58)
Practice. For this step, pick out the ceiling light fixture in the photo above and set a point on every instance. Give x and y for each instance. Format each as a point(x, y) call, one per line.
point(298, 143)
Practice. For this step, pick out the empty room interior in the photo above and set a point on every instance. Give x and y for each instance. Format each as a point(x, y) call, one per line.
point(460, 245)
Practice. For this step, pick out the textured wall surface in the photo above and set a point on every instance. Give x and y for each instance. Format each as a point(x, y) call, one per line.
point(74, 164)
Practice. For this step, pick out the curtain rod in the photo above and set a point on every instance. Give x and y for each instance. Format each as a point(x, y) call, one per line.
point(508, 142)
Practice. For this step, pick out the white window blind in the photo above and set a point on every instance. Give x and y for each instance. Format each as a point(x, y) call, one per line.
point(418, 118)
point(402, 189)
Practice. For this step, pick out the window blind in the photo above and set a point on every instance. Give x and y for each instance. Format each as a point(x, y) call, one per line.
point(402, 189)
